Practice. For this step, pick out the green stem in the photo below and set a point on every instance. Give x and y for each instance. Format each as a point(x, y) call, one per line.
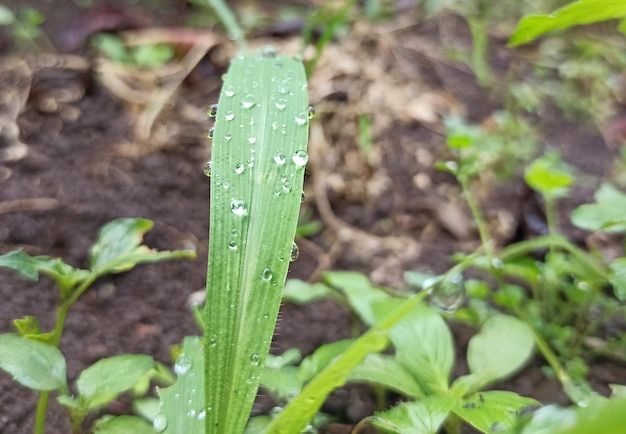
point(229, 21)
point(42, 407)
point(483, 231)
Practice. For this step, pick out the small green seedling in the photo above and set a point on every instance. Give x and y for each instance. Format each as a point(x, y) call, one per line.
point(32, 356)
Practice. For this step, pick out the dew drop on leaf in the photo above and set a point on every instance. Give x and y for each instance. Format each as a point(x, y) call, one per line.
point(230, 91)
point(239, 208)
point(287, 187)
point(212, 110)
point(229, 116)
point(448, 294)
point(209, 133)
point(252, 140)
point(182, 365)
point(160, 422)
point(295, 252)
point(266, 274)
point(281, 104)
point(228, 137)
point(301, 118)
point(311, 112)
point(300, 158)
point(268, 51)
point(248, 101)
point(280, 158)
point(239, 168)
point(232, 245)
point(255, 359)
point(207, 168)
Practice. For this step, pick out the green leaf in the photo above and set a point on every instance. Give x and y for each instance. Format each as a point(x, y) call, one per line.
point(259, 157)
point(119, 248)
point(33, 364)
point(577, 13)
point(618, 391)
point(549, 176)
point(608, 213)
point(493, 410)
point(315, 363)
point(148, 408)
point(103, 381)
point(123, 425)
point(282, 383)
point(424, 347)
point(503, 345)
point(386, 371)
point(359, 292)
point(7, 17)
point(182, 404)
point(151, 55)
point(111, 46)
point(419, 417)
point(300, 292)
point(617, 277)
point(21, 262)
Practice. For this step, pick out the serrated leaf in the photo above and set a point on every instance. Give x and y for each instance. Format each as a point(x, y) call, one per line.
point(577, 13)
point(494, 410)
point(182, 404)
point(608, 213)
point(386, 371)
point(418, 417)
point(123, 425)
point(118, 247)
point(259, 157)
point(33, 364)
point(503, 345)
point(107, 378)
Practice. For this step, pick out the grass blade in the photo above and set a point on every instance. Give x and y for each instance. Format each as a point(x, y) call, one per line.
point(259, 154)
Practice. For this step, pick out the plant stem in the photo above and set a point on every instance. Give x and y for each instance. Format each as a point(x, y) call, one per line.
point(229, 21)
point(42, 408)
point(483, 231)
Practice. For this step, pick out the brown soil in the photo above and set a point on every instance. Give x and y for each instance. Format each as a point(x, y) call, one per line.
point(86, 165)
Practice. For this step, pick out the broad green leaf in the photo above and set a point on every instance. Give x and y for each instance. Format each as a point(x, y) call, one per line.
point(503, 345)
point(21, 262)
point(315, 363)
point(33, 364)
point(606, 416)
point(577, 13)
point(608, 213)
point(493, 410)
point(183, 408)
point(386, 371)
point(283, 383)
point(303, 407)
point(418, 417)
point(549, 176)
point(424, 347)
point(119, 248)
point(300, 292)
point(123, 425)
point(360, 293)
point(148, 408)
point(103, 381)
point(259, 157)
point(617, 277)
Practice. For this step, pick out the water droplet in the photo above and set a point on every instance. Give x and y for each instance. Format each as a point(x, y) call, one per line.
point(286, 187)
point(207, 168)
point(239, 207)
point(182, 365)
point(252, 140)
point(248, 101)
point(277, 191)
point(212, 110)
point(160, 422)
point(274, 126)
point(223, 77)
point(202, 414)
point(230, 91)
point(295, 252)
point(448, 294)
point(250, 163)
point(213, 342)
point(300, 158)
point(302, 197)
point(255, 359)
point(281, 104)
point(228, 137)
point(232, 245)
point(280, 158)
point(301, 118)
point(229, 116)
point(226, 185)
point(239, 168)
point(210, 132)
point(268, 51)
point(311, 112)
point(266, 274)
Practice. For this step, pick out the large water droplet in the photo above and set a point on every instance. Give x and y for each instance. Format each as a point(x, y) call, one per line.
point(207, 168)
point(239, 168)
point(230, 91)
point(255, 359)
point(281, 104)
point(248, 101)
point(280, 158)
point(210, 132)
point(301, 118)
point(160, 422)
point(311, 112)
point(212, 110)
point(229, 116)
point(266, 274)
point(295, 252)
point(202, 414)
point(239, 207)
point(268, 51)
point(232, 245)
point(300, 158)
point(448, 294)
point(182, 365)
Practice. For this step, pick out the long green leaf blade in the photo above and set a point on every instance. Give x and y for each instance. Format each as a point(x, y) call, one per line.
point(259, 154)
